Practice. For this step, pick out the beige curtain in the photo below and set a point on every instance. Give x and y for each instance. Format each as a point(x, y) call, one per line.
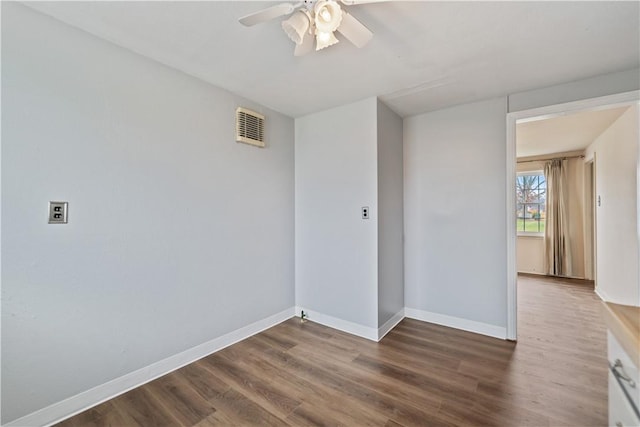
point(556, 235)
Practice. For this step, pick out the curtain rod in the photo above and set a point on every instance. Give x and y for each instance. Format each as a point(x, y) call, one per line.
point(581, 156)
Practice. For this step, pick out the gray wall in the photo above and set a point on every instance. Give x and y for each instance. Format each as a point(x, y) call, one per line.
point(390, 216)
point(176, 234)
point(455, 255)
point(335, 176)
point(606, 84)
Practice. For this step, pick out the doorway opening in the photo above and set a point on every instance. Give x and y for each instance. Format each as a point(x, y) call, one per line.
point(526, 228)
point(590, 218)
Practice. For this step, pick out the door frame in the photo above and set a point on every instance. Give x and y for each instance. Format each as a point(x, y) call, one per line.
point(534, 114)
point(590, 186)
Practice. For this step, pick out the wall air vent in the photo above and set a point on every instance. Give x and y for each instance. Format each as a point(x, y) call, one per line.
point(249, 127)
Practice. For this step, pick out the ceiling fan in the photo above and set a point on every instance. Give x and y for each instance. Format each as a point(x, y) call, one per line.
point(318, 19)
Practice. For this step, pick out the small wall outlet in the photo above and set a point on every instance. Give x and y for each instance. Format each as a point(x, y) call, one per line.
point(58, 212)
point(365, 212)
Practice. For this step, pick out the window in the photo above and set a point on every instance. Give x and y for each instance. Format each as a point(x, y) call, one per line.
point(531, 198)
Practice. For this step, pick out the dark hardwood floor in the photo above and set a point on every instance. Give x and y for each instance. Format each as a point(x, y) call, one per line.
point(419, 374)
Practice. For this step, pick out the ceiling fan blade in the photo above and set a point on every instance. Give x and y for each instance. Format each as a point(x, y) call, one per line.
point(357, 2)
point(354, 30)
point(268, 14)
point(305, 47)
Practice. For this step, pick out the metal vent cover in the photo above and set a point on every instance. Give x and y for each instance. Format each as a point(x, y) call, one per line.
point(249, 127)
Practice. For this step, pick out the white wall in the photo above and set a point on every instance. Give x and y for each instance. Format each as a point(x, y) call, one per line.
point(176, 234)
point(616, 155)
point(336, 266)
point(455, 254)
point(390, 215)
point(589, 206)
point(530, 254)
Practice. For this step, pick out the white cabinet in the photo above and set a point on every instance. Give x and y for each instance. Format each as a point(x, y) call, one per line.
point(624, 386)
point(621, 412)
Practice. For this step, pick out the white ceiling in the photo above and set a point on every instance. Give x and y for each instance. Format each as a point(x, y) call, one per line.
point(424, 55)
point(561, 134)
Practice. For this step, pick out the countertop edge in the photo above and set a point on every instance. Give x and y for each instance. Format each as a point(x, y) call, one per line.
point(624, 323)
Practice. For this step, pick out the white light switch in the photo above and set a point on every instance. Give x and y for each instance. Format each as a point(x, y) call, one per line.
point(58, 212)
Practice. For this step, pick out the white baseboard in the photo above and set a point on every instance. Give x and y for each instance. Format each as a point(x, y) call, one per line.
point(87, 399)
point(390, 324)
point(537, 273)
point(601, 294)
point(607, 298)
point(412, 313)
point(457, 323)
point(339, 324)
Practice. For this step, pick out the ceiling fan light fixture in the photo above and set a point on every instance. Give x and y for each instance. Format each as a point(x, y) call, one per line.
point(324, 39)
point(322, 18)
point(296, 26)
point(327, 16)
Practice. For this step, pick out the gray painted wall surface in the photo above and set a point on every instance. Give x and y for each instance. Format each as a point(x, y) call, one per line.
point(390, 215)
point(455, 255)
point(335, 176)
point(176, 234)
point(606, 84)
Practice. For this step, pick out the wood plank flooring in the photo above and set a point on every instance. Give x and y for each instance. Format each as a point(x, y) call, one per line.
point(419, 375)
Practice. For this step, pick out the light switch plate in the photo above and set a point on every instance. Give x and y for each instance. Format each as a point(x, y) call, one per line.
point(365, 212)
point(58, 212)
